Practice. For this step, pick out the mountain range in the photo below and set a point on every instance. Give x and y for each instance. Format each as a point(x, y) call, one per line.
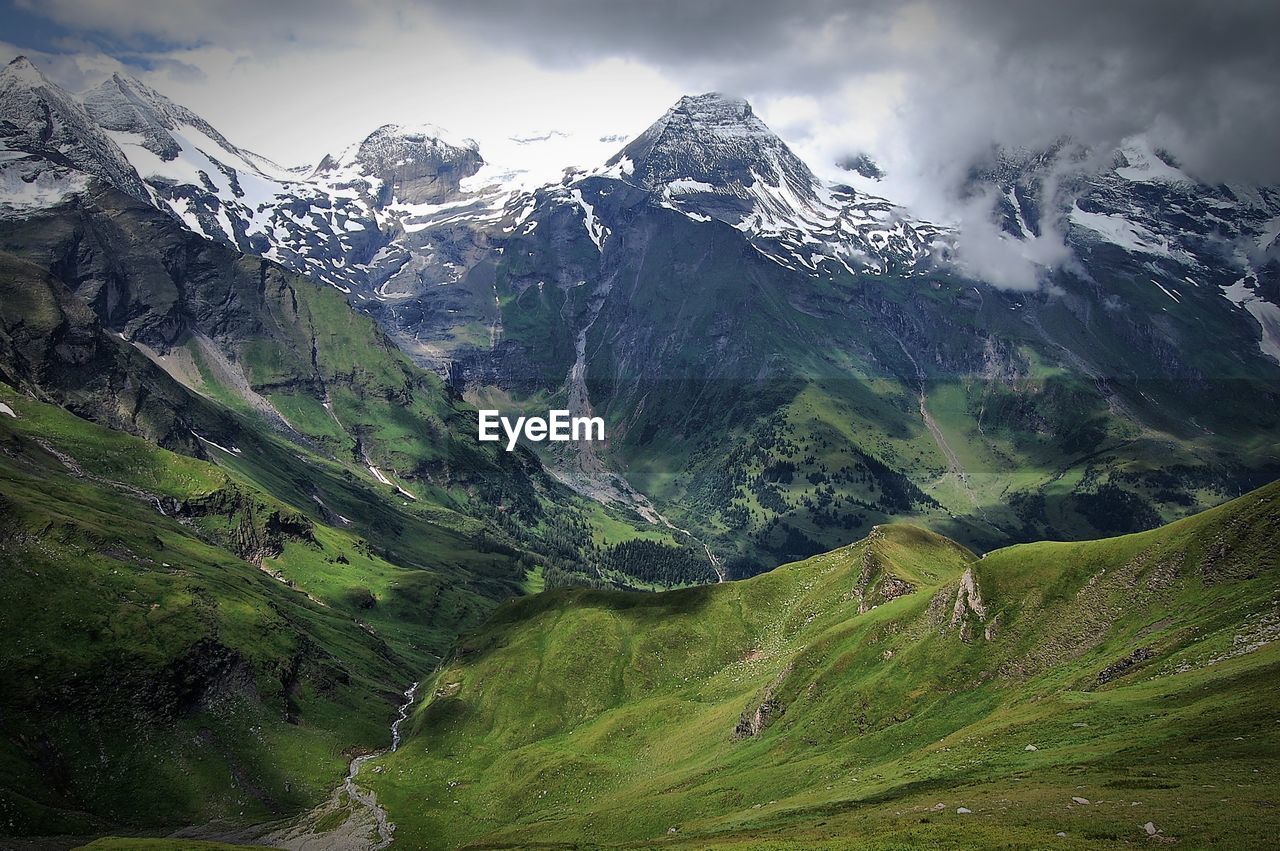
point(239, 519)
point(703, 282)
point(243, 508)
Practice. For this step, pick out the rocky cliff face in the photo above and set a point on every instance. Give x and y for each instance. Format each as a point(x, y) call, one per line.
point(56, 348)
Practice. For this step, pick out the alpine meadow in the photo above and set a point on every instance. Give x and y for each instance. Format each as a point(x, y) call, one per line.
point(827, 425)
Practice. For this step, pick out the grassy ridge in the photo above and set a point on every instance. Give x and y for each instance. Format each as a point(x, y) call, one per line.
point(840, 700)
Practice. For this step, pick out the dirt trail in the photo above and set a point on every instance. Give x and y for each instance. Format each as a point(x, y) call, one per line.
point(953, 463)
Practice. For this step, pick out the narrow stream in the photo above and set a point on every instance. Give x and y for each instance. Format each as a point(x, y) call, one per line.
point(409, 696)
point(367, 799)
point(364, 818)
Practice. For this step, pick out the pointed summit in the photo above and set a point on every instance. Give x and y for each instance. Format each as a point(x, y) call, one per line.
point(22, 67)
point(45, 121)
point(22, 74)
point(711, 158)
point(127, 105)
point(715, 140)
point(716, 107)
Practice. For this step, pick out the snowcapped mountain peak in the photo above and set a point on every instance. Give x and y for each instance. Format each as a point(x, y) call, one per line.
point(1145, 163)
point(711, 157)
point(126, 105)
point(140, 96)
point(21, 79)
point(716, 140)
point(20, 71)
point(47, 134)
point(415, 164)
point(715, 106)
point(427, 133)
point(400, 137)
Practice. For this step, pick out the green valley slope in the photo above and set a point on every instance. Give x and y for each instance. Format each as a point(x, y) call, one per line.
point(154, 671)
point(896, 693)
point(237, 523)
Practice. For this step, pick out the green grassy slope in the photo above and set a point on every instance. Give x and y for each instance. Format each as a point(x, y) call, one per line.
point(132, 844)
point(152, 673)
point(862, 697)
point(184, 641)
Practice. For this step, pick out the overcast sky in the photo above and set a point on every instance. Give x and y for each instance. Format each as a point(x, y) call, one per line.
point(922, 87)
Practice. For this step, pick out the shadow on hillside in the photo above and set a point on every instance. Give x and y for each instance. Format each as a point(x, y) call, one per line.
point(640, 606)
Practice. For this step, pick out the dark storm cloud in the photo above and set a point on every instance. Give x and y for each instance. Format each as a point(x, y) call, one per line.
point(151, 25)
point(664, 31)
point(1199, 78)
point(1203, 74)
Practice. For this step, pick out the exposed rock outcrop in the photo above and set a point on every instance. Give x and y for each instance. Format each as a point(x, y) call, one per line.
point(969, 602)
point(1123, 666)
point(875, 585)
point(413, 165)
point(258, 532)
point(754, 719)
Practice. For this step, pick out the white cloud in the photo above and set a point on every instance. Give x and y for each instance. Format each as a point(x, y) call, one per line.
point(297, 104)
